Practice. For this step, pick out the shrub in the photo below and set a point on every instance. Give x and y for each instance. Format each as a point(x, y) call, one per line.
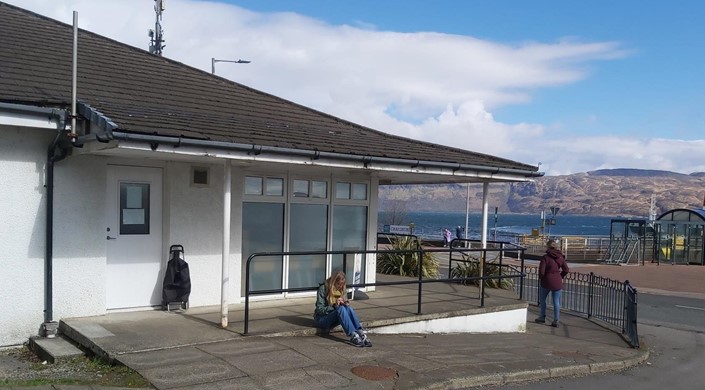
point(470, 268)
point(406, 264)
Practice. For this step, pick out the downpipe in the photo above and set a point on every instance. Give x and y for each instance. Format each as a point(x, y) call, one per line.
point(57, 151)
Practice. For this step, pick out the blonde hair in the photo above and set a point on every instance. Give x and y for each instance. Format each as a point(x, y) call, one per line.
point(552, 244)
point(331, 283)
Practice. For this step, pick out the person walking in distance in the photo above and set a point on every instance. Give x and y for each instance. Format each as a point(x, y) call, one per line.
point(333, 308)
point(446, 237)
point(552, 269)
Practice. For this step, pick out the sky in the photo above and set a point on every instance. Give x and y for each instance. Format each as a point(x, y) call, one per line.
point(570, 86)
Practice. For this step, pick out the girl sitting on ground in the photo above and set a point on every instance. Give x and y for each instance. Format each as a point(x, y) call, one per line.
point(333, 308)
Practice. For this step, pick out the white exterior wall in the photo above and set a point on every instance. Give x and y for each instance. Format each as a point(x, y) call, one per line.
point(193, 217)
point(79, 234)
point(195, 220)
point(22, 226)
point(79, 237)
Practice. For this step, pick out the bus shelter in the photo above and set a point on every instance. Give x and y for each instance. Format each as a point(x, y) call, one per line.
point(679, 236)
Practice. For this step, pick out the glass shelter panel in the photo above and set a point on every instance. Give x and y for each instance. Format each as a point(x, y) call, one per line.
point(263, 231)
point(307, 232)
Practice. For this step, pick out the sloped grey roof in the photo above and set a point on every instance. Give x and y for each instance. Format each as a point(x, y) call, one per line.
point(147, 94)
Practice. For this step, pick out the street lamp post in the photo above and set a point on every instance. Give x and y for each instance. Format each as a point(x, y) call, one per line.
point(214, 60)
point(552, 221)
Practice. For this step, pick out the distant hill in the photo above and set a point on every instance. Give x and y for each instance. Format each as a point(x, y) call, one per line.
point(625, 192)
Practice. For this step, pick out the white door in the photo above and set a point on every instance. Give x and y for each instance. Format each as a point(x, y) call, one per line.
point(134, 237)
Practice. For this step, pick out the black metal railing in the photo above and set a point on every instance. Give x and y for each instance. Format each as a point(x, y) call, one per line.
point(493, 254)
point(349, 254)
point(601, 298)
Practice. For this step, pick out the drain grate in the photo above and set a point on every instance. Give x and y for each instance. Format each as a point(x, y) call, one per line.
point(374, 373)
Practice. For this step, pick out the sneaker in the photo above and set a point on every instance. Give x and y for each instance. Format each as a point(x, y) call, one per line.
point(554, 324)
point(363, 335)
point(356, 340)
point(540, 320)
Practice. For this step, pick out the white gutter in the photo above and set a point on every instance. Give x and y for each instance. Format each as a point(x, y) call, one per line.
point(12, 114)
point(252, 152)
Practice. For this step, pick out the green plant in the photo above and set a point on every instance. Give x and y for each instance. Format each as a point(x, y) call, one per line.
point(406, 264)
point(470, 268)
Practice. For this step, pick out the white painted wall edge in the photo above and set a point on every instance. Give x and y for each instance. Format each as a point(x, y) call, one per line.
point(509, 321)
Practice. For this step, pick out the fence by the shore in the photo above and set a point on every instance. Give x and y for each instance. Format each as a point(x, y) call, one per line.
point(575, 248)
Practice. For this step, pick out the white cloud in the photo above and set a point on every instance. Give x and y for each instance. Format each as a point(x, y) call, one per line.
point(431, 86)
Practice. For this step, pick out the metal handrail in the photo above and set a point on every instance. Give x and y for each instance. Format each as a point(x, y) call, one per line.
point(420, 281)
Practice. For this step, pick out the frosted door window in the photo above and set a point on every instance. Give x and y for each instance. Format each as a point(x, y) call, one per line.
point(134, 208)
point(349, 233)
point(263, 231)
point(307, 232)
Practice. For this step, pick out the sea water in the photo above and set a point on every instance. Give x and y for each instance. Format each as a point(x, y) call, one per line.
point(431, 224)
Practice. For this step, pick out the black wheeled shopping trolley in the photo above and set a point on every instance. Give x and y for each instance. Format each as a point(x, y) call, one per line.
point(177, 280)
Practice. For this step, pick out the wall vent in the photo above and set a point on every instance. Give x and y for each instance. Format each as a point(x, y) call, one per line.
point(200, 177)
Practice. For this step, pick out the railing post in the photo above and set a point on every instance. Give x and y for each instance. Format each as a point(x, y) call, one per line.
point(420, 260)
point(523, 275)
point(482, 279)
point(591, 284)
point(247, 294)
point(501, 257)
point(625, 309)
point(450, 258)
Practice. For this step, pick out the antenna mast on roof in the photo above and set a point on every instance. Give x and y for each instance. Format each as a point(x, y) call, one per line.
point(156, 42)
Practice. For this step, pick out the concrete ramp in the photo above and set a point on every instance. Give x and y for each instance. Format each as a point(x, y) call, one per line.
point(446, 308)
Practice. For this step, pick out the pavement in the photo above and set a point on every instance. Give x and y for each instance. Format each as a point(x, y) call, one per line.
point(189, 350)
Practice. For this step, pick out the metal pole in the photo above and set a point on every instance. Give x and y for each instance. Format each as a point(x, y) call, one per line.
point(247, 294)
point(590, 293)
point(467, 211)
point(420, 253)
point(494, 231)
point(212, 65)
point(523, 275)
point(483, 234)
point(225, 265)
point(74, 75)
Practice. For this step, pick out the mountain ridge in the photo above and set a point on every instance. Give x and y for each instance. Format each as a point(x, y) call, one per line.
point(623, 191)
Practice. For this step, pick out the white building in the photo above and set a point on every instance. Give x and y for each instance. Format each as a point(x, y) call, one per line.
point(165, 154)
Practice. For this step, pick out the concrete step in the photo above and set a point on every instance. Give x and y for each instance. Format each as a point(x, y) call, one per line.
point(54, 349)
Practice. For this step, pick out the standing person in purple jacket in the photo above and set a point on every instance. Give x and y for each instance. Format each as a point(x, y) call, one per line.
point(552, 269)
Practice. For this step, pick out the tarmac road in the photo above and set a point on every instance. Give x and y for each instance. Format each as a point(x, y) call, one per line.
point(673, 312)
point(673, 328)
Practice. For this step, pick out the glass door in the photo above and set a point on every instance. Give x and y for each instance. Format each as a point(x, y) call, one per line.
point(679, 243)
point(349, 233)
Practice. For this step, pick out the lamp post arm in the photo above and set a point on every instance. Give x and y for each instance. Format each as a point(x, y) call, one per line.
point(214, 60)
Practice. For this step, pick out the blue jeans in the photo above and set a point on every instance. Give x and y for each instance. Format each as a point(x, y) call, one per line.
point(556, 294)
point(344, 316)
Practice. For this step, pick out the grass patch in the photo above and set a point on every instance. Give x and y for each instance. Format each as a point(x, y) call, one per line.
point(79, 371)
